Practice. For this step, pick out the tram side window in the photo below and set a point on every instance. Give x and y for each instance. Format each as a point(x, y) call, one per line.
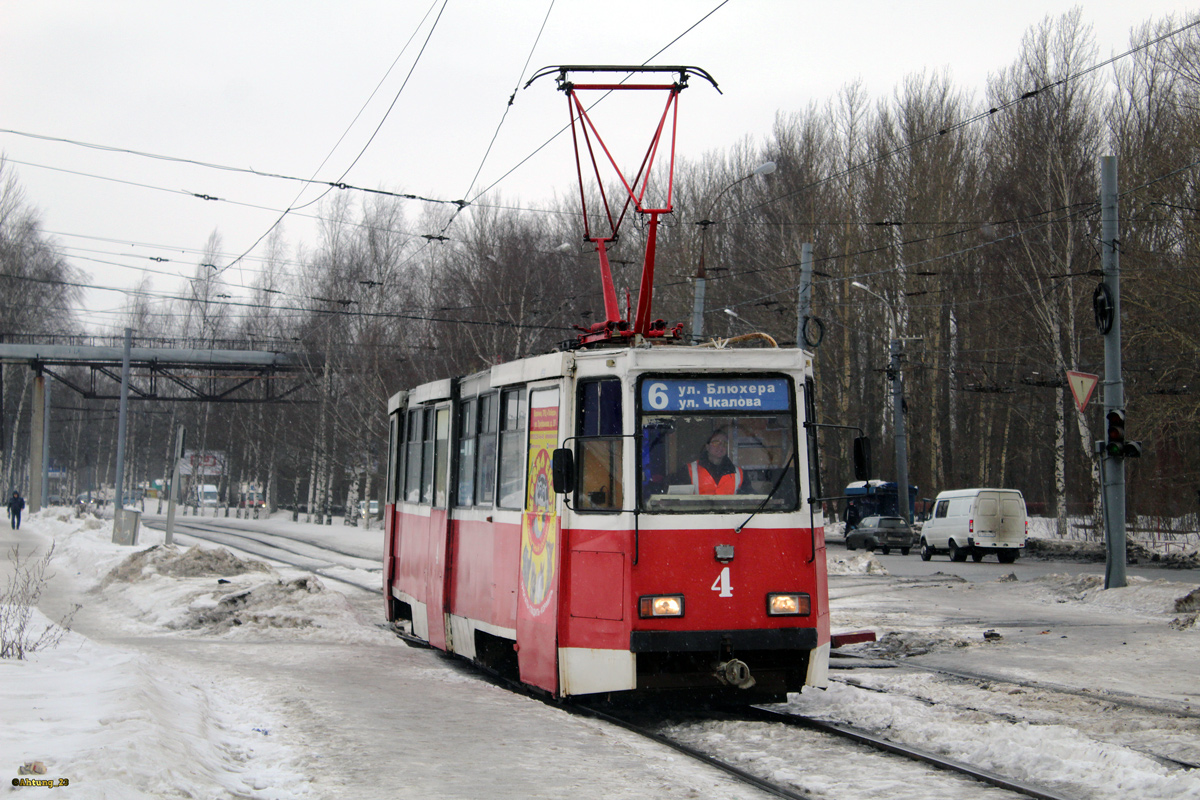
point(441, 458)
point(485, 471)
point(601, 467)
point(412, 459)
point(394, 446)
point(468, 431)
point(427, 456)
point(512, 448)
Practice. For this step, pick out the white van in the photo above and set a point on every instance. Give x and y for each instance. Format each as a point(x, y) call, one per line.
point(975, 522)
point(207, 495)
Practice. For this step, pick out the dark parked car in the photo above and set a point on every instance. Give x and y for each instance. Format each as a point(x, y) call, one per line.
point(882, 533)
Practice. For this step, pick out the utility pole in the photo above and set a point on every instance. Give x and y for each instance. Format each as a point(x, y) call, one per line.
point(1115, 450)
point(118, 498)
point(125, 525)
point(698, 300)
point(896, 349)
point(36, 435)
point(180, 436)
point(804, 300)
point(897, 354)
point(45, 499)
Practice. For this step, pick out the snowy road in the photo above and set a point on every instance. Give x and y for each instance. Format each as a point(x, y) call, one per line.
point(272, 685)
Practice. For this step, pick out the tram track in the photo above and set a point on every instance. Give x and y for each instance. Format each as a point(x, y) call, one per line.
point(1154, 705)
point(1091, 712)
point(1139, 726)
point(1016, 719)
point(693, 753)
point(1139, 702)
point(648, 722)
point(280, 549)
point(645, 728)
point(844, 733)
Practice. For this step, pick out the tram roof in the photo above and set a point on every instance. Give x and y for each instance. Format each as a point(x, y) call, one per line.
point(612, 361)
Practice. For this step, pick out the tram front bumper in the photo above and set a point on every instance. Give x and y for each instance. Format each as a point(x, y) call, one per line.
point(715, 641)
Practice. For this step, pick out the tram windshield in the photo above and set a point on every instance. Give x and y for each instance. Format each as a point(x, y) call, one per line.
point(717, 444)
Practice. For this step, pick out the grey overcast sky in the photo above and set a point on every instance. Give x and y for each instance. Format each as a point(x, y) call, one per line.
point(298, 88)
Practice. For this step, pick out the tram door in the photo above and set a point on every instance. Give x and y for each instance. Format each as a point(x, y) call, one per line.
point(425, 540)
point(439, 528)
point(391, 500)
point(540, 564)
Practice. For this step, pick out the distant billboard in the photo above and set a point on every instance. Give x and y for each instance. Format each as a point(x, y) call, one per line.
point(202, 462)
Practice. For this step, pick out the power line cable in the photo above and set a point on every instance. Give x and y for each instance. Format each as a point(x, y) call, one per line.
point(564, 129)
point(369, 140)
point(1005, 106)
point(511, 99)
point(229, 302)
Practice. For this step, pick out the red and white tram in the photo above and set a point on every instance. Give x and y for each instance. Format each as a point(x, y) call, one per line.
point(558, 519)
point(631, 579)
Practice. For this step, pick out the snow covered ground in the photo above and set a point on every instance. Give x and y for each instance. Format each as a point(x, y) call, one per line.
point(191, 673)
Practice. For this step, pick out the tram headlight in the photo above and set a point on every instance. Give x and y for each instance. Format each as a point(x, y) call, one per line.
point(662, 605)
point(787, 604)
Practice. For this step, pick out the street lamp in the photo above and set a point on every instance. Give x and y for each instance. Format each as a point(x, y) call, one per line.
point(738, 317)
point(886, 304)
point(765, 168)
point(897, 405)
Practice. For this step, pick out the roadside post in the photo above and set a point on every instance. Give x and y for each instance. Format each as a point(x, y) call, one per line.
point(1114, 449)
point(174, 497)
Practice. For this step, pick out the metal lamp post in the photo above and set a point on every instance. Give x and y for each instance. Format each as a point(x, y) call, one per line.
point(698, 302)
point(897, 403)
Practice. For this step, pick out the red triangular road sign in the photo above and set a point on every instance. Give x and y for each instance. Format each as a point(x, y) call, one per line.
point(1082, 386)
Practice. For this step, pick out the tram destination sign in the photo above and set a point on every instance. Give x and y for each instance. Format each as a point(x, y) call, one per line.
point(715, 394)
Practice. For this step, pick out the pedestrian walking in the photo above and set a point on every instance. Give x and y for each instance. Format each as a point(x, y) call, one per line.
point(15, 505)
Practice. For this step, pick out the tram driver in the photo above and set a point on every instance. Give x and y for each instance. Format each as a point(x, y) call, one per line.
point(713, 472)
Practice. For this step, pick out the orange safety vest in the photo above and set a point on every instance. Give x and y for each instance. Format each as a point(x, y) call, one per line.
point(703, 482)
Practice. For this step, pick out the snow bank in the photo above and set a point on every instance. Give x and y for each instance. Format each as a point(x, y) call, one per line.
point(861, 564)
point(201, 590)
point(120, 723)
point(117, 724)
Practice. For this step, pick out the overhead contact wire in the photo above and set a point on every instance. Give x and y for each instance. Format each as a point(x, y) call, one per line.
point(369, 141)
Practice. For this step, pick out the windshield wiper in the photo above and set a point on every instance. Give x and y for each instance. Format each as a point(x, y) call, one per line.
point(778, 482)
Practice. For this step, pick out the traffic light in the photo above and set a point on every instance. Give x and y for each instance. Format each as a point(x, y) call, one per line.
point(1114, 439)
point(1115, 444)
point(862, 458)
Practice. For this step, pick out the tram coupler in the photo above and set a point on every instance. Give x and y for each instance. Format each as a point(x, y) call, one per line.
point(734, 672)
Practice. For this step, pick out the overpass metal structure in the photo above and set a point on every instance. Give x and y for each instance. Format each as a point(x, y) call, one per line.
point(127, 372)
point(215, 376)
